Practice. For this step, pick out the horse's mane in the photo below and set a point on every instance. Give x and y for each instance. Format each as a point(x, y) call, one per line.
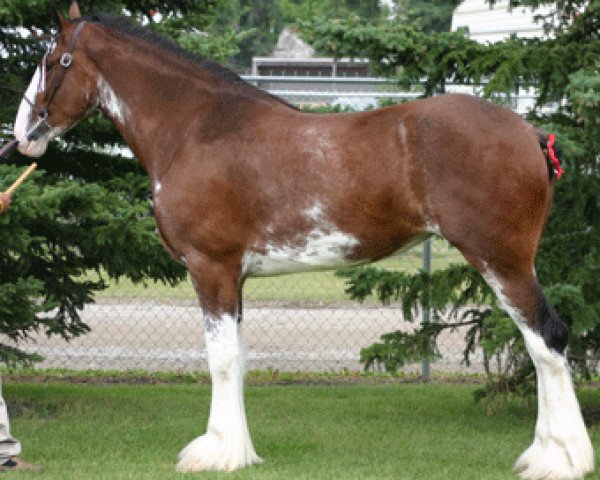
point(127, 27)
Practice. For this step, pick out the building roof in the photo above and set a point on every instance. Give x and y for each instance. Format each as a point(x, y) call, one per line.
point(290, 45)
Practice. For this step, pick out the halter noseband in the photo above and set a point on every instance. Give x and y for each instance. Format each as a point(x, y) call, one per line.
point(66, 60)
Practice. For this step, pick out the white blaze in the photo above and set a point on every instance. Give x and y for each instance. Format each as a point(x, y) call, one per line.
point(23, 119)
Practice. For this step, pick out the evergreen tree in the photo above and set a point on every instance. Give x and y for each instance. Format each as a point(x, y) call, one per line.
point(294, 11)
point(87, 208)
point(429, 15)
point(264, 19)
point(563, 69)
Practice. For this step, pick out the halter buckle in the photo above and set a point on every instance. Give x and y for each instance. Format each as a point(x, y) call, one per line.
point(66, 60)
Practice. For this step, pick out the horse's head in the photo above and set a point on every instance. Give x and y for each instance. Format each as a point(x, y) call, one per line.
point(62, 91)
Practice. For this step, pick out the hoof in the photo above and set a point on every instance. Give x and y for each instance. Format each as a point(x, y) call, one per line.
point(212, 453)
point(556, 460)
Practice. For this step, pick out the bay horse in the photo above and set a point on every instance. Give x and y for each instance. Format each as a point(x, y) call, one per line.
point(244, 184)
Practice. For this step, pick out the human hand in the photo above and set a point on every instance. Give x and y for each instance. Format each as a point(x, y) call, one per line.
point(5, 199)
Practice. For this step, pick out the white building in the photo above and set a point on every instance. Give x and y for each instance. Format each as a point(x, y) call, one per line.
point(487, 23)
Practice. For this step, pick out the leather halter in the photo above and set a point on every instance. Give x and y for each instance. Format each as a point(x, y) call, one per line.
point(66, 60)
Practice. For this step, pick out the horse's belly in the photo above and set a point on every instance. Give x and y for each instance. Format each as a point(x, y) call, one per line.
point(317, 251)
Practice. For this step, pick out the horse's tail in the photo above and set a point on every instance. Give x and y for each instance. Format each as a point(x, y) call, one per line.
point(552, 153)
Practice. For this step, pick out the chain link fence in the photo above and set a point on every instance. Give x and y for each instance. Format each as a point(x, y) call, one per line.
point(296, 322)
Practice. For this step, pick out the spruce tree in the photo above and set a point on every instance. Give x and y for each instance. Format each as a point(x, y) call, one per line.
point(87, 208)
point(563, 69)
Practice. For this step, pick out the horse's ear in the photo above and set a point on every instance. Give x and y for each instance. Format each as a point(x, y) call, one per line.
point(56, 16)
point(59, 20)
point(74, 11)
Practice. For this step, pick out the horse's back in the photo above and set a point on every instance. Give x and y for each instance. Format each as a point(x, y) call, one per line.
point(449, 165)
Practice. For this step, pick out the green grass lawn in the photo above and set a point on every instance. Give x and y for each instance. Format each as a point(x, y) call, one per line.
point(394, 431)
point(319, 286)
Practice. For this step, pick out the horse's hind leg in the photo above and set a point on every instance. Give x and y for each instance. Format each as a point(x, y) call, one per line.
point(226, 445)
point(493, 206)
point(561, 447)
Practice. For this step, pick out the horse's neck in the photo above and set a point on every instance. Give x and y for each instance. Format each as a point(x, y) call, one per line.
point(149, 101)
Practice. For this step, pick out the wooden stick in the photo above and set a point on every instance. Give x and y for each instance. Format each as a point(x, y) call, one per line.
point(22, 178)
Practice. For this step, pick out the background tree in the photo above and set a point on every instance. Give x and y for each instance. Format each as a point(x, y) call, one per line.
point(238, 30)
point(429, 15)
point(563, 69)
point(87, 209)
point(293, 11)
point(263, 17)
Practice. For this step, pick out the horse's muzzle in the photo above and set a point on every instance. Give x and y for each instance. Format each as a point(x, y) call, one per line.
point(34, 148)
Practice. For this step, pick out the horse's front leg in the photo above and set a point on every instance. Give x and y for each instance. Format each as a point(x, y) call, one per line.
point(226, 445)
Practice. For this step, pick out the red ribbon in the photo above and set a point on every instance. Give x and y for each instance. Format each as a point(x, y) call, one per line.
point(558, 170)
